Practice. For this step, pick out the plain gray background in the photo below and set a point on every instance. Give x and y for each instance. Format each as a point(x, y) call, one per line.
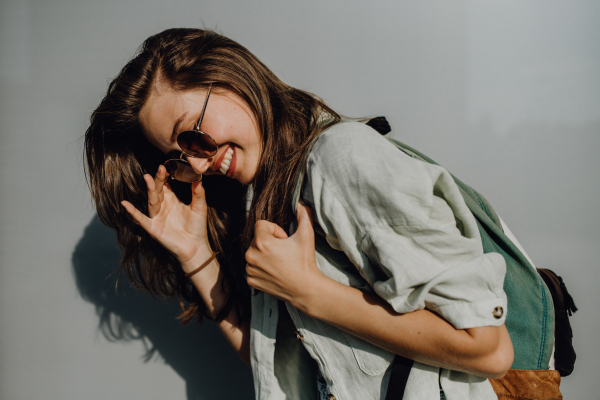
point(505, 94)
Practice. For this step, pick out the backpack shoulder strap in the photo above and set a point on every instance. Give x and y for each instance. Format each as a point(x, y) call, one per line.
point(401, 367)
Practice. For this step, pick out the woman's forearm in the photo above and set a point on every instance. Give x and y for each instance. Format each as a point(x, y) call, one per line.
point(208, 283)
point(421, 335)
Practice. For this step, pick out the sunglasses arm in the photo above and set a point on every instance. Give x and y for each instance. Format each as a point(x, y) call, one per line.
point(203, 108)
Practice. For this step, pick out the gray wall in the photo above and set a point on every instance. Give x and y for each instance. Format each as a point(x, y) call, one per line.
point(505, 94)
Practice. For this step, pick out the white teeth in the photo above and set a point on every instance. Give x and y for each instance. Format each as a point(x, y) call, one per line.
point(226, 162)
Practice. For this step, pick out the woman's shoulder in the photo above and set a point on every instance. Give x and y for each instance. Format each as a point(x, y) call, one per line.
point(356, 150)
point(366, 172)
point(346, 136)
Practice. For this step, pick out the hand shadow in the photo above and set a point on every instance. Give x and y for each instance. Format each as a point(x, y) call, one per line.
point(199, 354)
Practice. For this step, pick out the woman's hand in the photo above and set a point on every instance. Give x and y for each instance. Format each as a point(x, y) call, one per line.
point(180, 228)
point(283, 266)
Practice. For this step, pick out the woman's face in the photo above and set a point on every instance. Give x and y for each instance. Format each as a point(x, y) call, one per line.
point(228, 120)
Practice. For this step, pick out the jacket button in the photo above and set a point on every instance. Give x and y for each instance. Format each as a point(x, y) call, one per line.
point(498, 312)
point(299, 336)
point(330, 397)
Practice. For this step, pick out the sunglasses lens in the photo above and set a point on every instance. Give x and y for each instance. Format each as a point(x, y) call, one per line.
point(182, 171)
point(197, 144)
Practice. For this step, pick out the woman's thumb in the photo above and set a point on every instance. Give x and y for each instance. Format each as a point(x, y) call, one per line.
point(305, 221)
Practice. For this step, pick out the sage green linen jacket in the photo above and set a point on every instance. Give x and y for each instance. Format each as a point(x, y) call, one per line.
point(388, 224)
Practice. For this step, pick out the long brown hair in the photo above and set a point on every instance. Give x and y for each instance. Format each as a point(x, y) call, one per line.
point(117, 155)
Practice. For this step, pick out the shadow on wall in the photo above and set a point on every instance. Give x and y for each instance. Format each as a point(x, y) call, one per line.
point(200, 355)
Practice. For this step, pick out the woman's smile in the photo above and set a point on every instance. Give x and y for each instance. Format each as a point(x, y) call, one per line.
point(226, 162)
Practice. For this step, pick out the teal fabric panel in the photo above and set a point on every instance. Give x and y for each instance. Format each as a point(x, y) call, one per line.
point(530, 314)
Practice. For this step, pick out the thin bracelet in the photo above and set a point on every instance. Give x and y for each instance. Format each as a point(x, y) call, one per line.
point(189, 274)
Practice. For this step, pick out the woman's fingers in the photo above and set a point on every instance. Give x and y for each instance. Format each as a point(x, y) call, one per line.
point(153, 198)
point(268, 229)
point(161, 176)
point(155, 191)
point(138, 216)
point(198, 203)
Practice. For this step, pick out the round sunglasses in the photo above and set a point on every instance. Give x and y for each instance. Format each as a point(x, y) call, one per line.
point(193, 143)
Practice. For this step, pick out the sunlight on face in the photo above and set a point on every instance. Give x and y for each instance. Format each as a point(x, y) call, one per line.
point(228, 120)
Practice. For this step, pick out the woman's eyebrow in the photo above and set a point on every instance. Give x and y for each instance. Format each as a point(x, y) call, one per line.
point(176, 127)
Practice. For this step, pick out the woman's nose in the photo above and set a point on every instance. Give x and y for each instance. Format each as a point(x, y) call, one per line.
point(200, 165)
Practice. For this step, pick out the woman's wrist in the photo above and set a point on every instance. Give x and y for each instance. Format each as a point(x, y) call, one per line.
point(202, 254)
point(208, 281)
point(308, 300)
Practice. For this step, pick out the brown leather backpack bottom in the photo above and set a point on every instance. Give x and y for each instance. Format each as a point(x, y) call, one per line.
point(524, 384)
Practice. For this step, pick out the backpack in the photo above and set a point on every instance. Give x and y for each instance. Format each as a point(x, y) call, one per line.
point(530, 318)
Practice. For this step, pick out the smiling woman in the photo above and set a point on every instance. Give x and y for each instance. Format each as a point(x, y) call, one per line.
point(160, 93)
point(403, 251)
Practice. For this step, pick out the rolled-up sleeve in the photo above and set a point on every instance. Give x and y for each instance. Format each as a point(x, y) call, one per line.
point(405, 226)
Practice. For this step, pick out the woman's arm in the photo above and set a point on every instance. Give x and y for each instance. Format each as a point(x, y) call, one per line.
point(208, 283)
point(286, 268)
point(181, 229)
point(420, 335)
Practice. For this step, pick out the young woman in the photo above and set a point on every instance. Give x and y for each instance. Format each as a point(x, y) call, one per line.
point(198, 157)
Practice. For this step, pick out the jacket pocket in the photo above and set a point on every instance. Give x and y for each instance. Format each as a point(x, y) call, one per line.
point(371, 359)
